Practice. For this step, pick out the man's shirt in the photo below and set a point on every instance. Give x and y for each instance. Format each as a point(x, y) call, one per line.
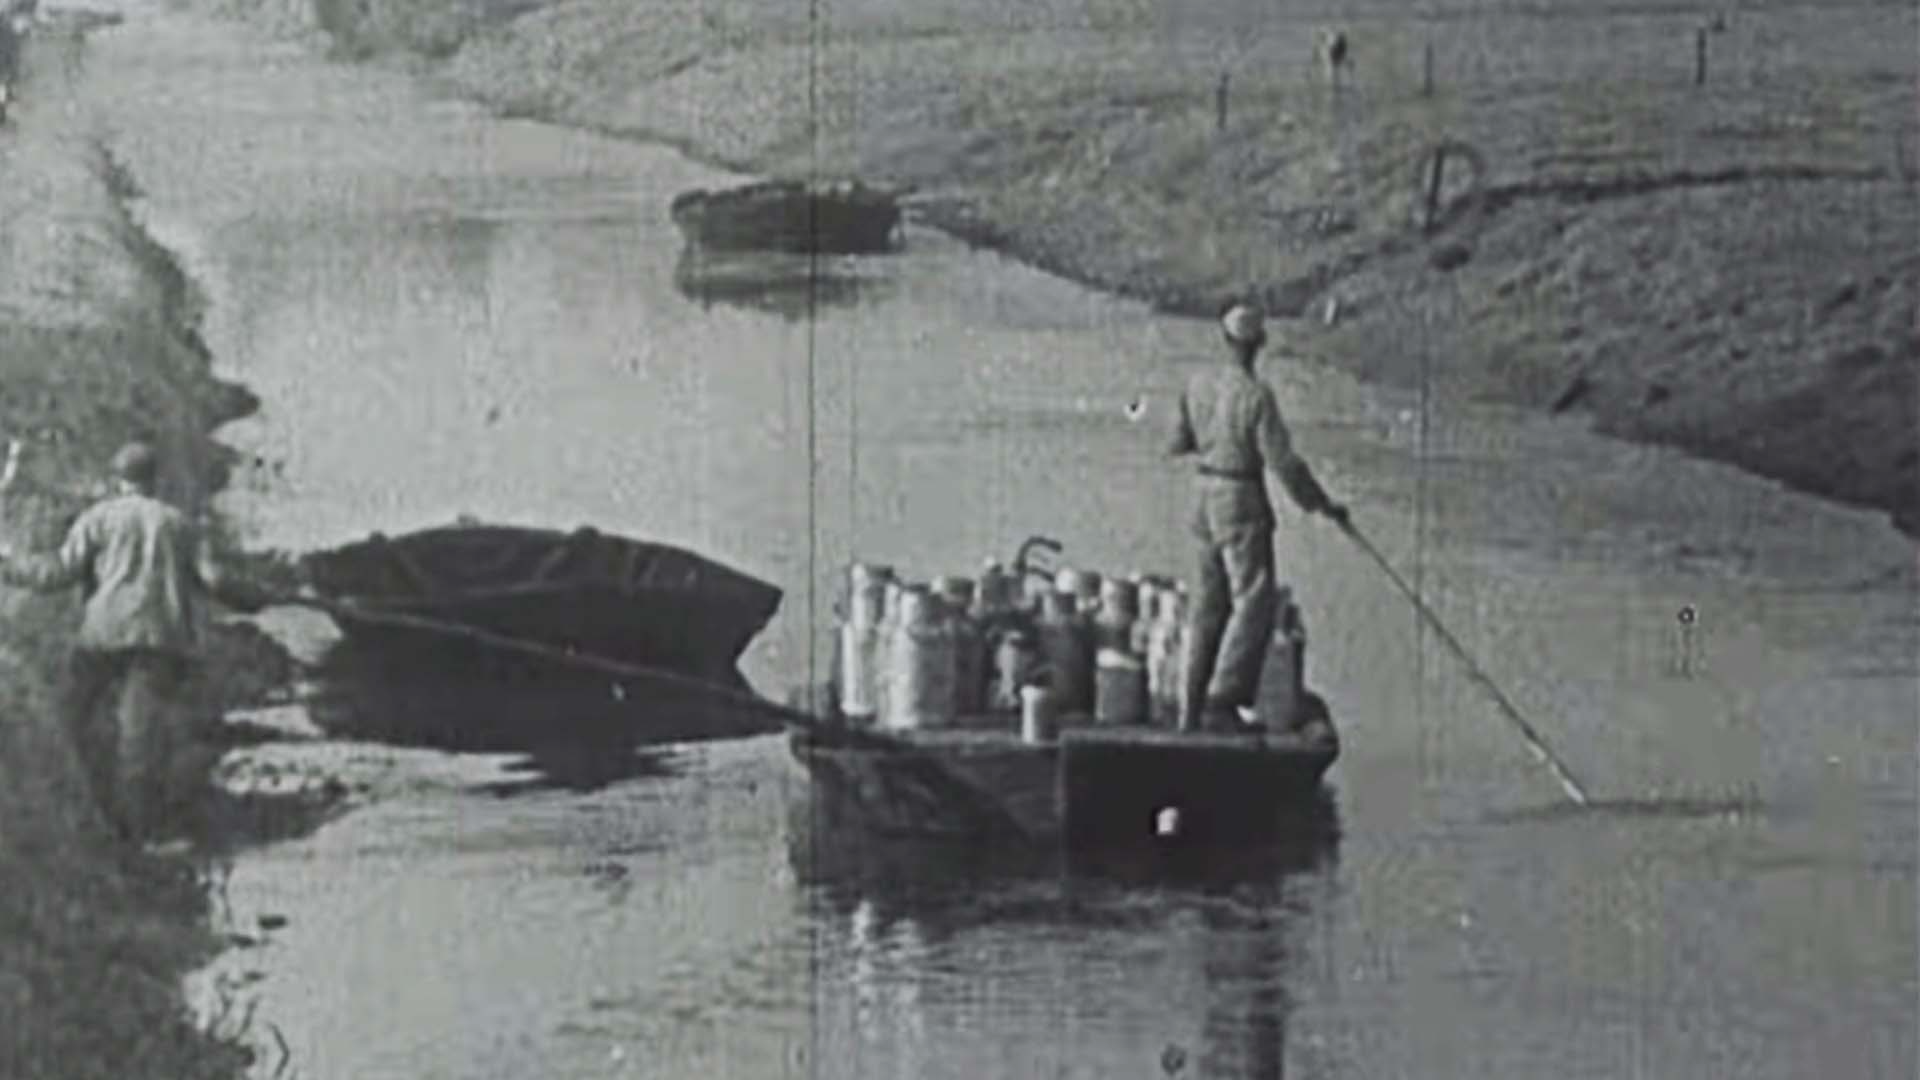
point(1230, 423)
point(144, 568)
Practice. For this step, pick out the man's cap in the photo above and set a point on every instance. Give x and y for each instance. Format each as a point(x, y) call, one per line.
point(137, 463)
point(1244, 323)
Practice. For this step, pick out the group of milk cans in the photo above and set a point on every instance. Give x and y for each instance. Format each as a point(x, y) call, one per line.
point(1083, 646)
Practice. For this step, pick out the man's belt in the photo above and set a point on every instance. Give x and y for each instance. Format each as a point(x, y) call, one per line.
point(1229, 474)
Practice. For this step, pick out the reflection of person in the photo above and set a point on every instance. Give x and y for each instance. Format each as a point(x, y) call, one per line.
point(1230, 422)
point(143, 567)
point(1246, 966)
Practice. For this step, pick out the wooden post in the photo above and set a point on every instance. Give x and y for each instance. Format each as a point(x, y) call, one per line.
point(1700, 56)
point(1435, 174)
point(1220, 102)
point(1426, 72)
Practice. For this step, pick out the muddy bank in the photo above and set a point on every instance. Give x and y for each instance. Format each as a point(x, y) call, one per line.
point(1723, 267)
point(97, 346)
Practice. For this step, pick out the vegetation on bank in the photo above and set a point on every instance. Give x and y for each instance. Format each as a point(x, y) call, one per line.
point(96, 347)
point(1695, 226)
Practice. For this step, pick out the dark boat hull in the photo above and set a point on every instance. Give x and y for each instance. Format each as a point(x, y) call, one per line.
point(602, 596)
point(1094, 786)
point(790, 216)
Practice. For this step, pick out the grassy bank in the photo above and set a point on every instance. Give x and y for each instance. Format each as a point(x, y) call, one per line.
point(96, 347)
point(1723, 265)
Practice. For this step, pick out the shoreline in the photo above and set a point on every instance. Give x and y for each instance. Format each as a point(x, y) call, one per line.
point(101, 325)
point(1739, 300)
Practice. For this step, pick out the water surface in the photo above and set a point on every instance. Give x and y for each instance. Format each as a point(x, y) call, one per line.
point(447, 313)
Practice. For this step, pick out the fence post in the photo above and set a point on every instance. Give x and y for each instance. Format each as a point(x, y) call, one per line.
point(1220, 102)
point(1426, 71)
point(1700, 56)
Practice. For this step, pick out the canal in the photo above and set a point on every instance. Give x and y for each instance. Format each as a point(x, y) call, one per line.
point(451, 313)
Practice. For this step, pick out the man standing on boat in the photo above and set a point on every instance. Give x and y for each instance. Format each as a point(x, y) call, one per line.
point(1229, 421)
point(144, 570)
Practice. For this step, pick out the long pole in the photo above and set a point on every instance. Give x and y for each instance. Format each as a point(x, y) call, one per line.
point(552, 653)
point(1534, 742)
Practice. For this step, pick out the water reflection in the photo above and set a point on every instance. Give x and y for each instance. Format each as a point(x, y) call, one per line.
point(1175, 959)
point(582, 767)
point(579, 733)
point(795, 287)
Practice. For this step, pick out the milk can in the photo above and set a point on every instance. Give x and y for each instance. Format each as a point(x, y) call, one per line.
point(1039, 715)
point(919, 674)
point(866, 592)
point(1015, 659)
point(1149, 605)
point(1166, 656)
point(1066, 650)
point(858, 647)
point(1083, 585)
point(1282, 686)
point(997, 594)
point(891, 590)
point(1119, 609)
point(969, 645)
point(1120, 688)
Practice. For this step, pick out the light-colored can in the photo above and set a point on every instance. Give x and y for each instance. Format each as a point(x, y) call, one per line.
point(1083, 584)
point(1120, 688)
point(1119, 610)
point(1120, 597)
point(1166, 657)
point(866, 592)
point(891, 590)
point(867, 606)
point(1014, 658)
point(920, 666)
point(1149, 612)
point(859, 651)
point(890, 593)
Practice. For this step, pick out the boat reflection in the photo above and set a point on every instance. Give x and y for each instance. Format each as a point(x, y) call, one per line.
point(576, 732)
point(794, 287)
point(1152, 961)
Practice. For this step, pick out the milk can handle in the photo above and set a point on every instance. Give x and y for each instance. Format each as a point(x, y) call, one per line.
point(1032, 542)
